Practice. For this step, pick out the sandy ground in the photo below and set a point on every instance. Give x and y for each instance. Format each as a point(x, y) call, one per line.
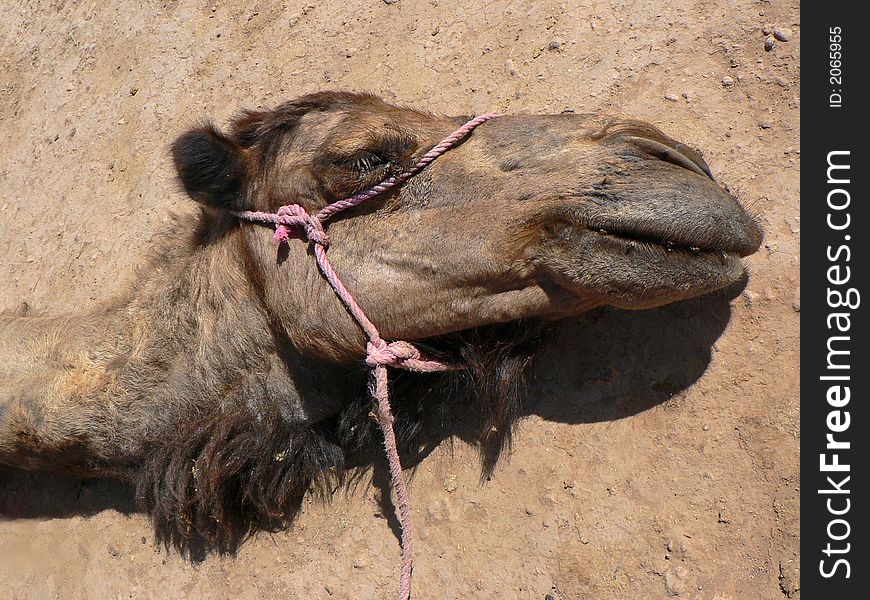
point(661, 458)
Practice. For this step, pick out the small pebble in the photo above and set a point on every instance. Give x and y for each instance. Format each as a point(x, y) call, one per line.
point(727, 81)
point(112, 550)
point(555, 46)
point(687, 96)
point(671, 97)
point(510, 68)
point(769, 43)
point(782, 34)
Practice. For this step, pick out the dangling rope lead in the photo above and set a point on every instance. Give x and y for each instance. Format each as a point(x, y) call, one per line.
point(379, 353)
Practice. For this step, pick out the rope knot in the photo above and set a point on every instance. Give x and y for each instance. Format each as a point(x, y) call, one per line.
point(294, 215)
point(391, 355)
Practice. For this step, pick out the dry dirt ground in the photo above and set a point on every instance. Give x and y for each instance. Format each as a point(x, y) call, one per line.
point(661, 455)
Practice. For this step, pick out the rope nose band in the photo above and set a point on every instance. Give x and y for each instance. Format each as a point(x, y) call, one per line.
point(379, 353)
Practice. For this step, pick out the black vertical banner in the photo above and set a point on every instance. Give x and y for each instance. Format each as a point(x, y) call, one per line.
point(835, 370)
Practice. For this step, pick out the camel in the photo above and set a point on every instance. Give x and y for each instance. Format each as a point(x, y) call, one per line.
point(227, 380)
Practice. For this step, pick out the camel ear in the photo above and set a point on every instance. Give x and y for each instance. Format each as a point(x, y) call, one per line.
point(211, 167)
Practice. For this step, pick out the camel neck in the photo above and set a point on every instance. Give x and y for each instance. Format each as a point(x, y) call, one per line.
point(178, 341)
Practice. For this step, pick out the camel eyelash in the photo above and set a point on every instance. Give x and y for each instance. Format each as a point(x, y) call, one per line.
point(364, 163)
point(387, 153)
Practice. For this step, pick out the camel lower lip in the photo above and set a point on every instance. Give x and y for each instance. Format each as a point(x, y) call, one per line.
point(629, 273)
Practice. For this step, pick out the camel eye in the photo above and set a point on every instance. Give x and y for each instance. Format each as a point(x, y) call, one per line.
point(365, 163)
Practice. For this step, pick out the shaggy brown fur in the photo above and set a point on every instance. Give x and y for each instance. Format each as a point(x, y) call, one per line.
point(227, 383)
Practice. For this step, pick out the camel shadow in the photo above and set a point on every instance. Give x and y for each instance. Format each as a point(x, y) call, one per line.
point(26, 495)
point(607, 365)
point(610, 364)
point(614, 364)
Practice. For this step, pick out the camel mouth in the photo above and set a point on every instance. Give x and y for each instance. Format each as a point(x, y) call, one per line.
point(684, 242)
point(726, 259)
point(644, 263)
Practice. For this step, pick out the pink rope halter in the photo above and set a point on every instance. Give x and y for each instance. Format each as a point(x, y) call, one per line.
point(379, 353)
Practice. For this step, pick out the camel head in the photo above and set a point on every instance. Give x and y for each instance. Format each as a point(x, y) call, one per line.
point(531, 216)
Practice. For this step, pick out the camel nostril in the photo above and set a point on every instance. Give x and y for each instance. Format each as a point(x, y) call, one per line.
point(680, 155)
point(696, 158)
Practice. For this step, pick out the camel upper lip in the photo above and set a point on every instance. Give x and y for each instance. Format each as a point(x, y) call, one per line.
point(688, 212)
